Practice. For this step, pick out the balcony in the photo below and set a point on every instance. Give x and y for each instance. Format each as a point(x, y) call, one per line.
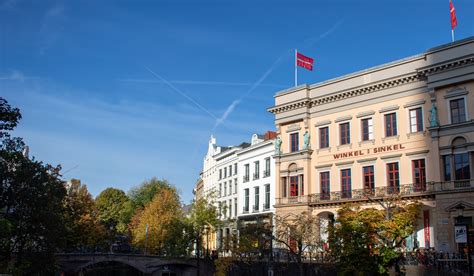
point(407, 190)
point(266, 173)
point(246, 178)
point(256, 176)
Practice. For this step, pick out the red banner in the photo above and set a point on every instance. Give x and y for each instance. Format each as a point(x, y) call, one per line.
point(304, 61)
point(452, 12)
point(426, 224)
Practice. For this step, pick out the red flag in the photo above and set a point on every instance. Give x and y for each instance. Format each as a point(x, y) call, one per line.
point(452, 12)
point(304, 61)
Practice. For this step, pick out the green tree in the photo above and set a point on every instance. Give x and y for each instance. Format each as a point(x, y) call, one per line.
point(143, 194)
point(31, 204)
point(369, 240)
point(113, 205)
point(82, 219)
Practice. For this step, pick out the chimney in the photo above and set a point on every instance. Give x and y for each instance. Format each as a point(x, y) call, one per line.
point(270, 135)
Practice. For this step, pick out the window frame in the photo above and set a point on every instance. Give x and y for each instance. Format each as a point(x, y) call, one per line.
point(294, 142)
point(325, 183)
point(466, 116)
point(418, 187)
point(368, 187)
point(394, 127)
point(369, 133)
point(326, 137)
point(392, 189)
point(418, 120)
point(348, 136)
point(346, 183)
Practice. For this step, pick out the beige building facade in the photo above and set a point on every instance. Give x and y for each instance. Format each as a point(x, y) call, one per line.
point(402, 129)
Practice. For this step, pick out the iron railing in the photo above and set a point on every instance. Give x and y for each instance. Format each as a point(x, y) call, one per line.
point(378, 192)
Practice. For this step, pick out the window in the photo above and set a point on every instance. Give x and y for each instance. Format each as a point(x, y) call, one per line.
point(324, 137)
point(416, 120)
point(346, 189)
point(247, 172)
point(369, 183)
point(293, 185)
point(345, 135)
point(235, 185)
point(325, 186)
point(393, 178)
point(225, 188)
point(246, 202)
point(230, 187)
point(230, 170)
point(230, 208)
point(257, 198)
point(256, 174)
point(367, 129)
point(294, 142)
point(267, 197)
point(235, 168)
point(419, 175)
point(225, 172)
point(220, 209)
point(447, 167)
point(461, 166)
point(220, 189)
point(390, 124)
point(220, 174)
point(458, 111)
point(266, 173)
point(283, 187)
point(235, 206)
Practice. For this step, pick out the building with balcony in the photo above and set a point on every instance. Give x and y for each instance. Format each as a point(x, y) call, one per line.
point(403, 129)
point(256, 194)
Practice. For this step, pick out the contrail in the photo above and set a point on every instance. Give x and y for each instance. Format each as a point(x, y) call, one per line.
point(234, 104)
point(181, 93)
point(200, 82)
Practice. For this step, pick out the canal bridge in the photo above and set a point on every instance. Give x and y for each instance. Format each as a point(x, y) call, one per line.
point(81, 263)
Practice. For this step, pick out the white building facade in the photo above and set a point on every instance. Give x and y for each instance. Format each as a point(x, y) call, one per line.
point(256, 194)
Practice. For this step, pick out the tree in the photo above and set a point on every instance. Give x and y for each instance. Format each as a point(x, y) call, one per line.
point(368, 240)
point(112, 205)
point(298, 233)
point(82, 219)
point(203, 218)
point(31, 204)
point(142, 195)
point(159, 228)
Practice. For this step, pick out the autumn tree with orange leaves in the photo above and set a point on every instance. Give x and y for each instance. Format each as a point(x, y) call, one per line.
point(159, 228)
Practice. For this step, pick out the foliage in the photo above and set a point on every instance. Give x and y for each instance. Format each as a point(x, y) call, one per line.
point(82, 220)
point(142, 195)
point(31, 204)
point(298, 233)
point(165, 223)
point(368, 240)
point(112, 205)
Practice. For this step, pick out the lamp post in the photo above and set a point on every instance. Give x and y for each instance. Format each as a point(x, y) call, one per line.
point(462, 226)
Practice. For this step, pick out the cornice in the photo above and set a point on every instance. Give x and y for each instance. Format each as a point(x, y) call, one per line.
point(419, 75)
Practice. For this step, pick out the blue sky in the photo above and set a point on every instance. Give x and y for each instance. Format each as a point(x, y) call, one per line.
point(120, 91)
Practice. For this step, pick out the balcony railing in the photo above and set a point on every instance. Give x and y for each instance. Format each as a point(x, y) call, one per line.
point(256, 176)
point(377, 192)
point(266, 173)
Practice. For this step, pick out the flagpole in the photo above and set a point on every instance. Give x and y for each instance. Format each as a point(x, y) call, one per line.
point(452, 34)
point(296, 67)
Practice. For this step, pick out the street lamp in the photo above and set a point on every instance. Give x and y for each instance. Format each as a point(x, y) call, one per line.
point(463, 228)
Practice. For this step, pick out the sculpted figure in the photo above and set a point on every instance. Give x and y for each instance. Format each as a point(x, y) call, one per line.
point(307, 138)
point(434, 116)
point(278, 145)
